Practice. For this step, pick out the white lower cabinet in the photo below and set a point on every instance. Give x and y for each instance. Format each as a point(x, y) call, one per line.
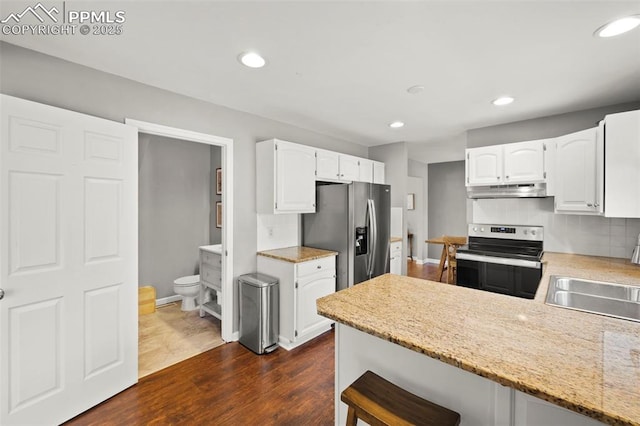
point(210, 283)
point(395, 256)
point(300, 285)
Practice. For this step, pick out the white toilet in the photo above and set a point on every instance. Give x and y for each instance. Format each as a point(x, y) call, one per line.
point(188, 287)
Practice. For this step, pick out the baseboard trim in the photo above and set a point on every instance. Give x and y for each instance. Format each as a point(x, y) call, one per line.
point(170, 299)
point(429, 260)
point(418, 261)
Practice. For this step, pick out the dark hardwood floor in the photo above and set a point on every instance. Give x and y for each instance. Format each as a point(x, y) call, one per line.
point(230, 385)
point(428, 271)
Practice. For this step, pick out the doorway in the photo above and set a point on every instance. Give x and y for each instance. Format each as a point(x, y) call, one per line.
point(226, 208)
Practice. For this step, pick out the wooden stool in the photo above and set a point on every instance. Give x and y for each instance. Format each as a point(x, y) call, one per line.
point(379, 402)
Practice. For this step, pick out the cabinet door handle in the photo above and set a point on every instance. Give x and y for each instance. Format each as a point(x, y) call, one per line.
point(506, 177)
point(319, 267)
point(589, 205)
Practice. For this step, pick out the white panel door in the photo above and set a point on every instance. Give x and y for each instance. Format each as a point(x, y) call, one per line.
point(484, 165)
point(68, 261)
point(524, 162)
point(295, 178)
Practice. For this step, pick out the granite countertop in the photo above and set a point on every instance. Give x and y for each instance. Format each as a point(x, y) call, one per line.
point(585, 362)
point(297, 254)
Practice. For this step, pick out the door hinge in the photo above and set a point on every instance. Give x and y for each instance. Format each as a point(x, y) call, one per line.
point(544, 175)
point(296, 333)
point(276, 204)
point(544, 146)
point(467, 155)
point(316, 172)
point(316, 154)
point(276, 146)
point(296, 284)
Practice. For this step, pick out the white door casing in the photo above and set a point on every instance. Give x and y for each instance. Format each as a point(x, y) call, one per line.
point(68, 261)
point(227, 332)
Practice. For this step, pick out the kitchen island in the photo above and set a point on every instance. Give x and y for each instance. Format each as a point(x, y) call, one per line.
point(495, 359)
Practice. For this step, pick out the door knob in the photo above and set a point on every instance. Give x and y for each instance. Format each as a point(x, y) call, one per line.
point(1, 294)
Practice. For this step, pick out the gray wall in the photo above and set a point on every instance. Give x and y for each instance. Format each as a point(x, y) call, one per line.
point(447, 210)
point(174, 205)
point(215, 234)
point(41, 78)
point(544, 127)
point(395, 156)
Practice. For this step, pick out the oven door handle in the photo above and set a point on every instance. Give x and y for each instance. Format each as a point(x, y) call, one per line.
point(499, 260)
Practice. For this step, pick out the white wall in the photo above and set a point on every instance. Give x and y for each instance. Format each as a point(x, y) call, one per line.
point(590, 235)
point(278, 231)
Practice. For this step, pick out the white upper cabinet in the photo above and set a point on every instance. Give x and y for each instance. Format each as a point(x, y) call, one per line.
point(285, 177)
point(327, 165)
point(349, 168)
point(366, 170)
point(524, 162)
point(378, 172)
point(622, 164)
point(579, 166)
point(484, 165)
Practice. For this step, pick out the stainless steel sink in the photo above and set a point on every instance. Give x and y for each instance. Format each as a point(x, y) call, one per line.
point(614, 300)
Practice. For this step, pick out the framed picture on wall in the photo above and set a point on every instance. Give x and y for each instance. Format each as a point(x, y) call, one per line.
point(219, 214)
point(219, 181)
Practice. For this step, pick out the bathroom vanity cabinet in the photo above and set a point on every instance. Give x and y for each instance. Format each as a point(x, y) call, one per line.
point(211, 281)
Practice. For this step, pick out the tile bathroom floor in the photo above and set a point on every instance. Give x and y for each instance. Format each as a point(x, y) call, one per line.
point(170, 335)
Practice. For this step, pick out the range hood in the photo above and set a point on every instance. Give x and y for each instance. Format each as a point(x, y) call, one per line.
point(524, 190)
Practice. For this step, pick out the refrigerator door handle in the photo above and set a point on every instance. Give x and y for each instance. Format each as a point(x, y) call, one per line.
point(374, 235)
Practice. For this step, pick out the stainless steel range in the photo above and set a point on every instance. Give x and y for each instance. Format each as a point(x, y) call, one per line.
point(502, 259)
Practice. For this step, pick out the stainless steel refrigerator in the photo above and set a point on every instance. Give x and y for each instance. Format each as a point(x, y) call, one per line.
point(354, 220)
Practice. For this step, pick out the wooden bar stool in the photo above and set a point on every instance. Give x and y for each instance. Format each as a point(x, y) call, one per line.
point(381, 403)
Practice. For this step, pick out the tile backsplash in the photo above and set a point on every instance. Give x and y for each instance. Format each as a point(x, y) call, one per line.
point(582, 234)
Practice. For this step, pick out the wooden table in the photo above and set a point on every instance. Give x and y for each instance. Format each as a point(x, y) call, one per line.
point(443, 255)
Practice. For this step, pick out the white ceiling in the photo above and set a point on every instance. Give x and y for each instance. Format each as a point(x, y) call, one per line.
point(342, 68)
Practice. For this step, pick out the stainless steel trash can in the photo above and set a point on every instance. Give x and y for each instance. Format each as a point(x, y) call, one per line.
point(259, 312)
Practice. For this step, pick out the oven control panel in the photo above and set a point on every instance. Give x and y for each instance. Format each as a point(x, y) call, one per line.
point(511, 232)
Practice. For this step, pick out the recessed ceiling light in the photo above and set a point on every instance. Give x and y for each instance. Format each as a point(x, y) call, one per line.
point(415, 89)
point(396, 124)
point(503, 100)
point(619, 26)
point(252, 60)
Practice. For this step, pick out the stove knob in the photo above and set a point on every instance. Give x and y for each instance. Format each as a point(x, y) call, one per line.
point(481, 229)
point(533, 232)
point(475, 229)
point(526, 232)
